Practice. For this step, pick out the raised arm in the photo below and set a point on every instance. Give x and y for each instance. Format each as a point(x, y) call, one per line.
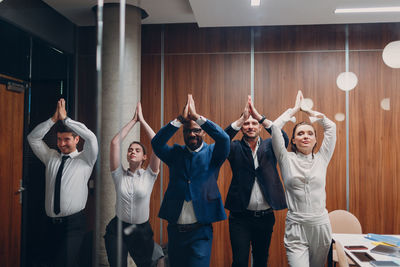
point(115, 146)
point(328, 144)
point(159, 141)
point(278, 142)
point(35, 138)
point(91, 147)
point(154, 163)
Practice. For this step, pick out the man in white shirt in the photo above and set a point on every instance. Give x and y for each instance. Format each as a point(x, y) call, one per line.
point(67, 174)
point(255, 191)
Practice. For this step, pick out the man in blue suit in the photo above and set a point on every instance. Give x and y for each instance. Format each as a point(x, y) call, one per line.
point(192, 200)
point(255, 191)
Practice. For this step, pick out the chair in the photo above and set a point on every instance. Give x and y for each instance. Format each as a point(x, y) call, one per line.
point(343, 222)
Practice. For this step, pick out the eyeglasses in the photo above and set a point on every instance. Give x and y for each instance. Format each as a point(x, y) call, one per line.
point(196, 131)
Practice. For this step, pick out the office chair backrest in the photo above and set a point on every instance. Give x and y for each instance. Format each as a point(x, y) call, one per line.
point(343, 222)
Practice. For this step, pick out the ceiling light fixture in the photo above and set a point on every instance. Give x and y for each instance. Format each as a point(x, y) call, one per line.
point(255, 2)
point(368, 9)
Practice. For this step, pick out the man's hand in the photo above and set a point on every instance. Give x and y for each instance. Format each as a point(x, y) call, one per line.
point(184, 117)
point(246, 112)
point(192, 109)
point(253, 112)
point(62, 113)
point(55, 116)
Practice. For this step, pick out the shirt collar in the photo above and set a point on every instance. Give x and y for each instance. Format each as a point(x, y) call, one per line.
point(72, 154)
point(258, 142)
point(303, 156)
point(197, 150)
point(138, 172)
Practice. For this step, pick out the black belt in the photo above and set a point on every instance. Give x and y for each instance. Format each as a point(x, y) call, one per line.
point(253, 213)
point(183, 228)
point(60, 220)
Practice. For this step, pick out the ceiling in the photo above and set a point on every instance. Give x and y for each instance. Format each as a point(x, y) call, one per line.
point(225, 13)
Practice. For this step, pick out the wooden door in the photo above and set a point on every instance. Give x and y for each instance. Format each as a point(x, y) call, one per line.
point(11, 147)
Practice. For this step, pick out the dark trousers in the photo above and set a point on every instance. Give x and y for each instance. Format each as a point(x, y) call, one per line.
point(139, 243)
point(245, 230)
point(189, 248)
point(64, 238)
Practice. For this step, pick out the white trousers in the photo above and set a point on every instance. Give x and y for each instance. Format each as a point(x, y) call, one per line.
point(307, 245)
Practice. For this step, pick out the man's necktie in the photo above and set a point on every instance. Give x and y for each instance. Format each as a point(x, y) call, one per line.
point(57, 186)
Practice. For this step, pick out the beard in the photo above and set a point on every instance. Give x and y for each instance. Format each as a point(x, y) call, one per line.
point(247, 137)
point(194, 145)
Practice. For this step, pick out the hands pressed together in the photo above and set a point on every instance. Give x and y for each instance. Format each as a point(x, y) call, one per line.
point(189, 111)
point(61, 112)
point(138, 117)
point(299, 106)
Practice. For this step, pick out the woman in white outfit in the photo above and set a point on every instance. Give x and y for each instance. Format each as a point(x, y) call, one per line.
point(308, 230)
point(133, 187)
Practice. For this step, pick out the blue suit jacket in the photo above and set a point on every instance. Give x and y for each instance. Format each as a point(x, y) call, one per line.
point(193, 173)
point(244, 174)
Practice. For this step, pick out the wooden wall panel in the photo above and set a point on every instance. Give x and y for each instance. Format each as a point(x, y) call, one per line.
point(299, 38)
point(151, 105)
point(278, 77)
point(220, 85)
point(372, 36)
point(189, 38)
point(374, 159)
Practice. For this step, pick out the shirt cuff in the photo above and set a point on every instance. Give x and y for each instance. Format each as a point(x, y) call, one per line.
point(201, 120)
point(66, 120)
point(234, 127)
point(50, 122)
point(176, 123)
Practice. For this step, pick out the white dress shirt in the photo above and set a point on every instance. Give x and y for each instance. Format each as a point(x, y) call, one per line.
point(77, 168)
point(133, 194)
point(257, 201)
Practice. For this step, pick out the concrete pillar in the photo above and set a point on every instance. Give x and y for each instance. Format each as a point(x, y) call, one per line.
point(118, 102)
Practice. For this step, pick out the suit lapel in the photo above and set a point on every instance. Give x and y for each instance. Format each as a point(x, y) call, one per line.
point(188, 161)
point(248, 155)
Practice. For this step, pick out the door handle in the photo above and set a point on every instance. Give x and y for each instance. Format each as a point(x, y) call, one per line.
point(21, 189)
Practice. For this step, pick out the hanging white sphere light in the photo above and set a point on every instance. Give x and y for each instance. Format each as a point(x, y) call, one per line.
point(391, 54)
point(340, 116)
point(385, 104)
point(306, 104)
point(346, 81)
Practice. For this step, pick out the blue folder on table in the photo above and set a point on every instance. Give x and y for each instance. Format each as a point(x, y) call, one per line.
point(384, 238)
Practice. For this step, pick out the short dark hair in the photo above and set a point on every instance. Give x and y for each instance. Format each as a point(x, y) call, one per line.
point(292, 145)
point(140, 144)
point(62, 128)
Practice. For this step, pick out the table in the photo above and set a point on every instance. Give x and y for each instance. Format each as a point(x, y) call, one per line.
point(359, 239)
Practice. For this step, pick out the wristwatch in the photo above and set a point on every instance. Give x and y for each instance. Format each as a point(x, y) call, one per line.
point(262, 119)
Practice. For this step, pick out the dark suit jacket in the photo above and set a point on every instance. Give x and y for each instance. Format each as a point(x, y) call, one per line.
point(193, 173)
point(244, 173)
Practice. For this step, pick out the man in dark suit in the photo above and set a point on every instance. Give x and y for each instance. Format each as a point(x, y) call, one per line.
point(192, 200)
point(255, 191)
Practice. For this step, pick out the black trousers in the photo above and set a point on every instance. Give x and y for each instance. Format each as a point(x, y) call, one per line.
point(139, 243)
point(64, 238)
point(245, 230)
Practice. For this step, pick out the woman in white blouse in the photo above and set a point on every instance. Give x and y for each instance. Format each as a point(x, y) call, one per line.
point(133, 187)
point(308, 230)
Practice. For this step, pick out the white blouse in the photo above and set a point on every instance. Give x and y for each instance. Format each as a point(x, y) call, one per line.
point(133, 194)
